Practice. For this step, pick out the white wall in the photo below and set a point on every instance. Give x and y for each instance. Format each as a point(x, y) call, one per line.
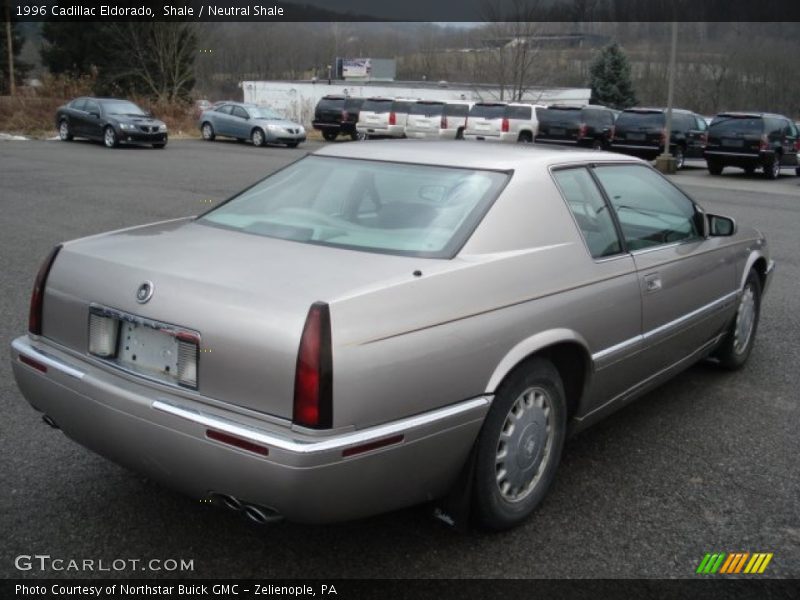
point(297, 99)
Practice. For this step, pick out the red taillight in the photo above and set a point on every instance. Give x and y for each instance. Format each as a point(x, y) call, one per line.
point(764, 143)
point(37, 296)
point(345, 115)
point(392, 118)
point(443, 124)
point(313, 382)
point(504, 127)
point(582, 130)
point(613, 132)
point(663, 137)
point(797, 144)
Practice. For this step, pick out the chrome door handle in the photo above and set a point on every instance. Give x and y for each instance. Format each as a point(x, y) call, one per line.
point(652, 282)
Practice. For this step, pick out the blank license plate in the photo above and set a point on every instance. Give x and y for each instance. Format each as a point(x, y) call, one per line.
point(148, 351)
point(637, 137)
point(733, 143)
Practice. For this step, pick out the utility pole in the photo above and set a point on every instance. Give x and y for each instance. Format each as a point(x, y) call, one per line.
point(10, 46)
point(666, 162)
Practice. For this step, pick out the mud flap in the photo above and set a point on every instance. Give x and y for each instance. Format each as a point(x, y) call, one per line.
point(455, 508)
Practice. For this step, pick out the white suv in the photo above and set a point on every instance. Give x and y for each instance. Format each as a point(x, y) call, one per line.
point(502, 122)
point(383, 117)
point(437, 119)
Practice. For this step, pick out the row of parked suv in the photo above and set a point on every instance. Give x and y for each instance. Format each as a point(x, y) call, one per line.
point(745, 140)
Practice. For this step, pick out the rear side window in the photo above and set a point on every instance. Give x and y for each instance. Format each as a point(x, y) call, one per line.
point(723, 125)
point(377, 106)
point(701, 123)
point(238, 111)
point(225, 109)
point(91, 107)
point(518, 112)
point(78, 104)
point(589, 210)
point(426, 109)
point(456, 110)
point(774, 126)
point(651, 211)
point(635, 119)
point(559, 115)
point(488, 111)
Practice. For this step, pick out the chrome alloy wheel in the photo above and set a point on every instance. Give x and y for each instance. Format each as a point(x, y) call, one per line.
point(525, 444)
point(110, 138)
point(208, 132)
point(745, 320)
point(63, 130)
point(258, 137)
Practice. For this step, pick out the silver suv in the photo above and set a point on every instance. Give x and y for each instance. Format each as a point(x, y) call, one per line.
point(437, 119)
point(502, 122)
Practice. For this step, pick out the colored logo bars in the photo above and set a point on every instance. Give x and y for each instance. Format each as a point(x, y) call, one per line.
point(733, 563)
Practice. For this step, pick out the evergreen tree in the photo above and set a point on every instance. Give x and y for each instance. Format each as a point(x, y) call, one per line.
point(610, 79)
point(20, 68)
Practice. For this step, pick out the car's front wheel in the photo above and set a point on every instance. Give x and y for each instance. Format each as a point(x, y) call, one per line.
point(329, 135)
point(738, 341)
point(257, 137)
point(64, 131)
point(208, 132)
point(597, 144)
point(292, 144)
point(680, 157)
point(519, 446)
point(714, 167)
point(110, 137)
point(525, 137)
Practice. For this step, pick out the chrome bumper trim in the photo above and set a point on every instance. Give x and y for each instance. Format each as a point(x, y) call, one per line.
point(335, 442)
point(23, 347)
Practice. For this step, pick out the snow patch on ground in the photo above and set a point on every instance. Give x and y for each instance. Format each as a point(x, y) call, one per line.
point(14, 138)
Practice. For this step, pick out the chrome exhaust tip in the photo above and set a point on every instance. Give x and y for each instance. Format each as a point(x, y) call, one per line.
point(49, 420)
point(226, 500)
point(262, 515)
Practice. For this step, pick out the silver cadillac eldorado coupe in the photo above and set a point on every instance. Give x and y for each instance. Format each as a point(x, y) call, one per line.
point(385, 324)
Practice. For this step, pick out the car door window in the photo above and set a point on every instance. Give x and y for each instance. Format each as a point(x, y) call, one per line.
point(590, 211)
point(91, 107)
point(522, 113)
point(651, 211)
point(225, 110)
point(79, 104)
point(239, 112)
point(701, 123)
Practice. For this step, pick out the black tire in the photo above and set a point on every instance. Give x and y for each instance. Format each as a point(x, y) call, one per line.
point(772, 168)
point(797, 171)
point(517, 427)
point(597, 144)
point(110, 138)
point(460, 133)
point(292, 144)
point(329, 135)
point(65, 131)
point(749, 170)
point(207, 130)
point(160, 146)
point(714, 167)
point(733, 352)
point(258, 137)
point(525, 137)
point(680, 157)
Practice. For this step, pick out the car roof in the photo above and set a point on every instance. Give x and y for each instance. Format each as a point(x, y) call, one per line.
point(751, 114)
point(577, 106)
point(653, 109)
point(467, 154)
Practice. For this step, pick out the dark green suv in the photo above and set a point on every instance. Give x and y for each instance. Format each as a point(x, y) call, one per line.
point(752, 141)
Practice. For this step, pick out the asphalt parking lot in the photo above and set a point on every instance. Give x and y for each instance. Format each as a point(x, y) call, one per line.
point(705, 463)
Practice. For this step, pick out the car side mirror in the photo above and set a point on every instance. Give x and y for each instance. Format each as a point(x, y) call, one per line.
point(719, 226)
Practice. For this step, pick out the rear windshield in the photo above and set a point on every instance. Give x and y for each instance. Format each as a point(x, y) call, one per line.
point(640, 119)
point(401, 106)
point(427, 109)
point(375, 206)
point(726, 124)
point(456, 110)
point(353, 104)
point(331, 104)
point(488, 111)
point(377, 106)
point(559, 115)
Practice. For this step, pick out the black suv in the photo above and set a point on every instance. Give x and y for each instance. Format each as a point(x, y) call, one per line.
point(336, 115)
point(642, 132)
point(750, 141)
point(590, 126)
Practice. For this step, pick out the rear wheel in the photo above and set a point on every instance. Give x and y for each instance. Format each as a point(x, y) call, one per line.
point(208, 132)
point(110, 137)
point(714, 167)
point(64, 131)
point(460, 133)
point(519, 446)
point(257, 137)
point(597, 144)
point(525, 137)
point(738, 342)
point(329, 136)
point(680, 157)
point(749, 170)
point(772, 168)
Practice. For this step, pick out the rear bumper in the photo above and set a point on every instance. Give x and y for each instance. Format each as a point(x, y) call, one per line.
point(305, 477)
point(509, 138)
point(740, 159)
point(641, 150)
point(395, 131)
